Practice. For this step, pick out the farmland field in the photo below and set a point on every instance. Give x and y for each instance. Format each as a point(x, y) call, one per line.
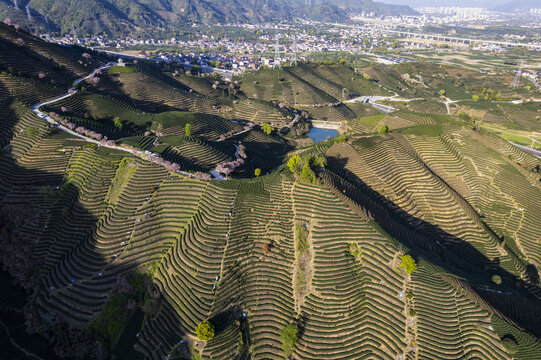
point(162, 214)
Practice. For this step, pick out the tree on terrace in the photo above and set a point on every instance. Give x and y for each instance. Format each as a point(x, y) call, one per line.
point(408, 264)
point(267, 129)
point(383, 129)
point(204, 331)
point(289, 336)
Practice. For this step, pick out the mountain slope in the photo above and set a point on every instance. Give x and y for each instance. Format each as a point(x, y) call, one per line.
point(121, 256)
point(121, 17)
point(517, 6)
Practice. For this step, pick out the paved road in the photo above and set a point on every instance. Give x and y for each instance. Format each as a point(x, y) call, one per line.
point(371, 100)
point(534, 82)
point(72, 91)
point(36, 109)
point(534, 152)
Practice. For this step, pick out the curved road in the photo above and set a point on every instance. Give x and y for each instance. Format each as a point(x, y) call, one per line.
point(534, 152)
point(36, 109)
point(144, 155)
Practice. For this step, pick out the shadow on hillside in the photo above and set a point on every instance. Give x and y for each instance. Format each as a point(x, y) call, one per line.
point(223, 319)
point(110, 86)
point(64, 276)
point(455, 255)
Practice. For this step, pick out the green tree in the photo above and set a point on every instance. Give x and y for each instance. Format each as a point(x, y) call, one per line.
point(442, 92)
point(188, 129)
point(257, 172)
point(267, 129)
point(308, 174)
point(496, 279)
point(342, 139)
point(118, 123)
point(289, 336)
point(321, 162)
point(294, 163)
point(475, 97)
point(408, 264)
point(204, 330)
point(383, 129)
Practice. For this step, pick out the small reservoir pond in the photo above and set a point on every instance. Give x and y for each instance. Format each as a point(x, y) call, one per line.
point(322, 134)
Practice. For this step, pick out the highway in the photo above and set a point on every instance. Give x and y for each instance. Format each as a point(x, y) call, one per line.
point(457, 39)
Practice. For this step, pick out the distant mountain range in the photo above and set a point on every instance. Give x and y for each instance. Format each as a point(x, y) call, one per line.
point(518, 6)
point(122, 17)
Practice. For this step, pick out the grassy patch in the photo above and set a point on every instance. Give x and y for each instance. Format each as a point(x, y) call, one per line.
point(365, 142)
point(301, 232)
point(372, 120)
point(121, 69)
point(125, 171)
point(423, 130)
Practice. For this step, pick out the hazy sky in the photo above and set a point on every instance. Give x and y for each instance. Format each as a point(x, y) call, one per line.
point(463, 3)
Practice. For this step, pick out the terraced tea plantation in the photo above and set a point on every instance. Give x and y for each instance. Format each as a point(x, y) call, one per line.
point(201, 224)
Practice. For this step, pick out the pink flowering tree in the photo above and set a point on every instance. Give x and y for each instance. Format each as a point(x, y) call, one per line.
point(94, 79)
point(203, 176)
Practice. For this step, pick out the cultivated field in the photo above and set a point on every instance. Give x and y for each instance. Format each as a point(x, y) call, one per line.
point(413, 235)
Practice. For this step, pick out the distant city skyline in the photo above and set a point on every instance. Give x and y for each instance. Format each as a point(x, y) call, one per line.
point(436, 3)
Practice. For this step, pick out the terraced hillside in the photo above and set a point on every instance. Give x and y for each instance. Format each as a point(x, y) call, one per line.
point(420, 243)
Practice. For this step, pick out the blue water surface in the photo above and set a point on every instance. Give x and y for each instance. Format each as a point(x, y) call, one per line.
point(322, 134)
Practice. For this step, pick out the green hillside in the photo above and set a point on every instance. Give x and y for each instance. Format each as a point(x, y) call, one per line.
point(412, 235)
point(130, 17)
